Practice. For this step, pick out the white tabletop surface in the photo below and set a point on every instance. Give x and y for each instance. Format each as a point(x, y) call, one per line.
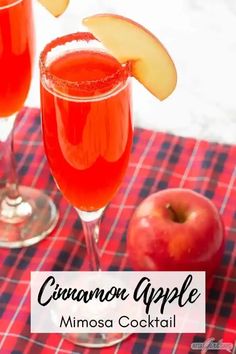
point(201, 37)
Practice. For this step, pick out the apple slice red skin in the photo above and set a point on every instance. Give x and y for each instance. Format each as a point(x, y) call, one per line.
point(156, 242)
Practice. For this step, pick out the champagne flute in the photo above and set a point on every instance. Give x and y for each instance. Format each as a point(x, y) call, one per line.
point(27, 215)
point(87, 133)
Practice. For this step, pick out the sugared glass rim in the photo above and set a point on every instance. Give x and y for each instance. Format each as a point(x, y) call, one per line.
point(13, 3)
point(118, 77)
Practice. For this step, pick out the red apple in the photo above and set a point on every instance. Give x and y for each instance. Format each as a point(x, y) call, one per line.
point(176, 230)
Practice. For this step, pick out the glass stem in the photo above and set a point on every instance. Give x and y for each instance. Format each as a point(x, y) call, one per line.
point(8, 159)
point(91, 224)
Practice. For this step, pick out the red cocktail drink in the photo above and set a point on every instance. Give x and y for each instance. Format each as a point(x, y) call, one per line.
point(16, 54)
point(87, 125)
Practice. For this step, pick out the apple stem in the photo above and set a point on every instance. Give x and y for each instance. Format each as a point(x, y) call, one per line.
point(174, 216)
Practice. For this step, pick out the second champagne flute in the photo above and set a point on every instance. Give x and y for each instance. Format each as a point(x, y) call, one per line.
point(27, 215)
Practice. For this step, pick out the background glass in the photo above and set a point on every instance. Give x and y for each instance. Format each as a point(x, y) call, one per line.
point(26, 214)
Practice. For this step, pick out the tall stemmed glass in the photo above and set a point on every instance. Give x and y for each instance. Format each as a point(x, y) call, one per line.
point(26, 215)
point(87, 132)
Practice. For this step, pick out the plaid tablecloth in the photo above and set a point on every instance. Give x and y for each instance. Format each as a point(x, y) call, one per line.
point(158, 161)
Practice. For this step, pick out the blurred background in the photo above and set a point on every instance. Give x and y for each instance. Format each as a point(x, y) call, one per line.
point(200, 35)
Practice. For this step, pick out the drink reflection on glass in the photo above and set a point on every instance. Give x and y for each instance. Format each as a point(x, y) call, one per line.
point(87, 133)
point(26, 215)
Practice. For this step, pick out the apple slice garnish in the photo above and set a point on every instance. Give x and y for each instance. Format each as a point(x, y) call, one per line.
point(56, 7)
point(128, 41)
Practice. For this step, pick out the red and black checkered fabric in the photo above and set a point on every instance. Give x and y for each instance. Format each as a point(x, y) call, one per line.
point(158, 161)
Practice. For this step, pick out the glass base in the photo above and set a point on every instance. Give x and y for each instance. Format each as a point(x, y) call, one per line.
point(95, 340)
point(28, 220)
